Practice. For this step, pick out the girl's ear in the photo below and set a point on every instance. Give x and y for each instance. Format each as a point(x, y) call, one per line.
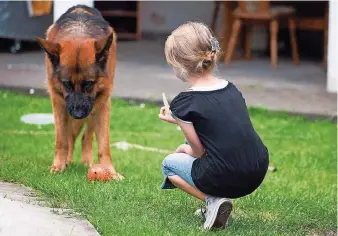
point(52, 49)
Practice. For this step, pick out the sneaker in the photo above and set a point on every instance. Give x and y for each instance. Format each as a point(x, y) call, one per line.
point(218, 213)
point(200, 212)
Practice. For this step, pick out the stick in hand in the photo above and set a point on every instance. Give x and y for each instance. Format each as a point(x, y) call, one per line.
point(166, 103)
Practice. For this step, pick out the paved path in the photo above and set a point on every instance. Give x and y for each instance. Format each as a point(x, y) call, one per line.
point(142, 73)
point(22, 215)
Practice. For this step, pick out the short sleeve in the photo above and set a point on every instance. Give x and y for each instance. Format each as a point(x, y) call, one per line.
point(182, 107)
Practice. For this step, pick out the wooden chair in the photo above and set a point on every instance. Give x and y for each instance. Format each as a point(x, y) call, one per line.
point(263, 14)
point(217, 7)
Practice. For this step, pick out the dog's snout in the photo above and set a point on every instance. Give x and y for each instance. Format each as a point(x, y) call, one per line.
point(78, 105)
point(79, 113)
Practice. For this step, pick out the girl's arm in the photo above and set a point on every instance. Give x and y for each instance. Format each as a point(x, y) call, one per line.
point(195, 147)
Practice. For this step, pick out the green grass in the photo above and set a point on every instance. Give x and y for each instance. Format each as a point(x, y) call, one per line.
point(298, 198)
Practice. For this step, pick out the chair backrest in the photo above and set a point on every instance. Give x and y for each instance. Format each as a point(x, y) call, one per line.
point(259, 7)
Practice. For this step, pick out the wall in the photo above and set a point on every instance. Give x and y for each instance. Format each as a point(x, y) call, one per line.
point(332, 70)
point(61, 7)
point(163, 17)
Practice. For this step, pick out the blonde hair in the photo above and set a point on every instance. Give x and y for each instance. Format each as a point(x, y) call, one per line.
point(191, 49)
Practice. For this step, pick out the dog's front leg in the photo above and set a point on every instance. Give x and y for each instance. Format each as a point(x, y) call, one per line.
point(61, 141)
point(102, 121)
point(87, 143)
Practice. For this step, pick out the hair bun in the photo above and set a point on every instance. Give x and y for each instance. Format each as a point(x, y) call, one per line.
point(206, 64)
point(208, 61)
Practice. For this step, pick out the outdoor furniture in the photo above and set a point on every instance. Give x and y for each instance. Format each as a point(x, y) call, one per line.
point(261, 13)
point(228, 22)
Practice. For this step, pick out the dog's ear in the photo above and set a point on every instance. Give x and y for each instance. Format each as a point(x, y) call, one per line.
point(102, 47)
point(52, 49)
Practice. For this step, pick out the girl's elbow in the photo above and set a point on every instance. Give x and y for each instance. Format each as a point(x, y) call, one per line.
point(200, 153)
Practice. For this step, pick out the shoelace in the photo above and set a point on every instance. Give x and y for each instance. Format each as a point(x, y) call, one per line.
point(203, 211)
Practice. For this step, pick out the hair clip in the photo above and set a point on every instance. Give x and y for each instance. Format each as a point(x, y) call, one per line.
point(214, 44)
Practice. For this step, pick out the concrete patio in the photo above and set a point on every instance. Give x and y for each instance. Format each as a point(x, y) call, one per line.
point(143, 74)
point(21, 213)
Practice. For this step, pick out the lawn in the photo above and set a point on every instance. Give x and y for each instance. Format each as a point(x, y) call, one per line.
point(300, 197)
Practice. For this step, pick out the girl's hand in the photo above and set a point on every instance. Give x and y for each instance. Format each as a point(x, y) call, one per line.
point(164, 115)
point(184, 148)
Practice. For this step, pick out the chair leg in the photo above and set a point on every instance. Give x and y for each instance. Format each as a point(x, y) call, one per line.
point(273, 43)
point(248, 36)
point(214, 15)
point(239, 44)
point(236, 28)
point(293, 40)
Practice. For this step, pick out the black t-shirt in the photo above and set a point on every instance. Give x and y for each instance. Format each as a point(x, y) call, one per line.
point(236, 160)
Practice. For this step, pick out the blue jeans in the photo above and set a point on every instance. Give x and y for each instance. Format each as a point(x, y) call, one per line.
point(177, 164)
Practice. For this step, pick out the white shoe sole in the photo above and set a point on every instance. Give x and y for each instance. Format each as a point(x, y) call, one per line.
point(220, 217)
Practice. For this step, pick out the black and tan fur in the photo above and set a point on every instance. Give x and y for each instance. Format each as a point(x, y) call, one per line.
point(80, 59)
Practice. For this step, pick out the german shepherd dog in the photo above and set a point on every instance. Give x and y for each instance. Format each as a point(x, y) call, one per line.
point(80, 59)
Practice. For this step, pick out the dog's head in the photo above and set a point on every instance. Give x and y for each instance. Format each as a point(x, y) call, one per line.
point(78, 68)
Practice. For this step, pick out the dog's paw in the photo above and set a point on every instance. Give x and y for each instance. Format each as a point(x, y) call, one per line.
point(70, 162)
point(117, 176)
point(57, 167)
point(87, 162)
